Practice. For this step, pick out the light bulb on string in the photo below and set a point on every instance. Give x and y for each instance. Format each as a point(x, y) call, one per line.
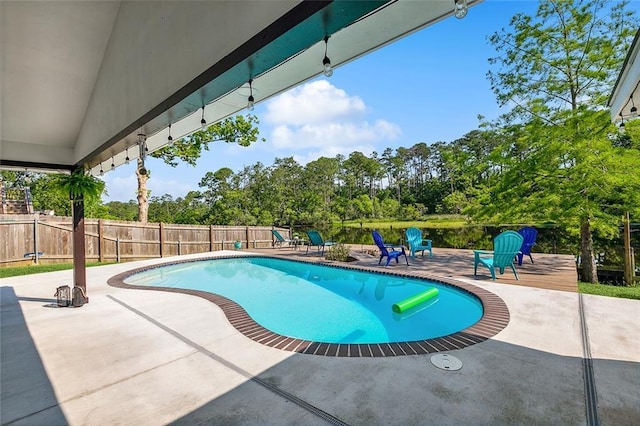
point(251, 100)
point(460, 8)
point(326, 62)
point(170, 138)
point(203, 122)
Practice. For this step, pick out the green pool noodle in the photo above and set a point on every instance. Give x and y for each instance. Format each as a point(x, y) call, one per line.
point(414, 300)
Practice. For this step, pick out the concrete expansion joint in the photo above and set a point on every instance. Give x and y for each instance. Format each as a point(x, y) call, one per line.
point(590, 394)
point(200, 349)
point(125, 379)
point(21, 420)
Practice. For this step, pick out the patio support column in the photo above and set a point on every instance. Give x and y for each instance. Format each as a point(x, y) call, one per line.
point(79, 269)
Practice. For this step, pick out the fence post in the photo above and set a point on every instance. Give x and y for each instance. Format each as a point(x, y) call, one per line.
point(179, 245)
point(35, 239)
point(211, 234)
point(100, 240)
point(3, 195)
point(118, 250)
point(161, 230)
point(628, 257)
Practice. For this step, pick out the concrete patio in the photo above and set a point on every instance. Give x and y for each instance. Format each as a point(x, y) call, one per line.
point(133, 357)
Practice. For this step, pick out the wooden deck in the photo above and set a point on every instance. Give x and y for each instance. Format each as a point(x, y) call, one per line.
point(550, 271)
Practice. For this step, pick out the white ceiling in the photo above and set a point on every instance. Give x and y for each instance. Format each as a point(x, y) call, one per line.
point(625, 93)
point(80, 79)
point(51, 56)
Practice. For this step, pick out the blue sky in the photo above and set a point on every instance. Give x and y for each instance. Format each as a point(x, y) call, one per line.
point(427, 87)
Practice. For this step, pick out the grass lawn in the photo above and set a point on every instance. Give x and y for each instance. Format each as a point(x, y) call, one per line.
point(434, 221)
point(14, 271)
point(632, 292)
point(442, 221)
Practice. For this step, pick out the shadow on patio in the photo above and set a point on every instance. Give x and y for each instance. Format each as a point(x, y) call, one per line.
point(27, 394)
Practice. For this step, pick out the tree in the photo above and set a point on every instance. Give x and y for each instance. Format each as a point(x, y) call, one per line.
point(142, 194)
point(556, 69)
point(121, 210)
point(163, 209)
point(286, 184)
point(46, 192)
point(239, 129)
point(320, 176)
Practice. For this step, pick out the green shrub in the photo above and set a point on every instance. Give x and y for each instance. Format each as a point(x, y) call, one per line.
point(338, 252)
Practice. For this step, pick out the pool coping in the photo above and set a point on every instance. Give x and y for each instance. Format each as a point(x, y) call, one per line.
point(494, 319)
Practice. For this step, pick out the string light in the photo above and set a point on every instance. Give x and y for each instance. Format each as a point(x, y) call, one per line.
point(460, 8)
point(169, 138)
point(633, 111)
point(251, 100)
point(326, 62)
point(203, 122)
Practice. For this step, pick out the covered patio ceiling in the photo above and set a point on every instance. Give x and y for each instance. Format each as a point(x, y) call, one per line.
point(81, 80)
point(625, 94)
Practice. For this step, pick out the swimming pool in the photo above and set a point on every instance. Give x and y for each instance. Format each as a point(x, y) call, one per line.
point(322, 303)
point(304, 305)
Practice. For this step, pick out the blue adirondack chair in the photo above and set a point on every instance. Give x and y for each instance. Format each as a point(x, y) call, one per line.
point(529, 234)
point(416, 242)
point(388, 250)
point(505, 247)
point(315, 239)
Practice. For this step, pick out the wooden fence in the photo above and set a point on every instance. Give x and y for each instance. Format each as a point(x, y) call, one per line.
point(35, 238)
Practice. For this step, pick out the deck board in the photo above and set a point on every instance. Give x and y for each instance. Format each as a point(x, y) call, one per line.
point(550, 271)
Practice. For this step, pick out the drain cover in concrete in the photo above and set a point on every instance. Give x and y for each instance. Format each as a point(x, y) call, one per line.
point(446, 362)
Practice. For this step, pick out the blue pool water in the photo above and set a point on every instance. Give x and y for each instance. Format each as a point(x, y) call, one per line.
point(322, 303)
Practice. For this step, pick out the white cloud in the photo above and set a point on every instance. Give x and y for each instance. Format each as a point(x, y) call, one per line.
point(345, 135)
point(313, 103)
point(318, 119)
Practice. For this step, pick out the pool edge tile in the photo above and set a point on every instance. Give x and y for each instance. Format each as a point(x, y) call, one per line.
point(495, 318)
